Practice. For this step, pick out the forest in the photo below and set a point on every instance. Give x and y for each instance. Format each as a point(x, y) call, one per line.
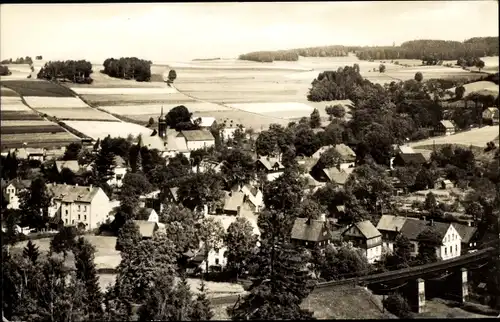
point(128, 68)
point(75, 71)
point(20, 60)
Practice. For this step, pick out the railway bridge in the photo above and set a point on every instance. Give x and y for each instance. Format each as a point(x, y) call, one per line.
point(412, 281)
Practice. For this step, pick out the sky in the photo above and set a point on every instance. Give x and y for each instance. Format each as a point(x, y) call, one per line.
point(164, 32)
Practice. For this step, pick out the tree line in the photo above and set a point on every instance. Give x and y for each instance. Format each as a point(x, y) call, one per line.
point(20, 60)
point(128, 68)
point(433, 50)
point(293, 54)
point(75, 71)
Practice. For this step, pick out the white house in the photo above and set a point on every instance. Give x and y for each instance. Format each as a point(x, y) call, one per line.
point(365, 236)
point(83, 206)
point(228, 132)
point(254, 197)
point(119, 171)
point(72, 165)
point(347, 155)
point(197, 139)
point(13, 189)
point(449, 236)
point(217, 257)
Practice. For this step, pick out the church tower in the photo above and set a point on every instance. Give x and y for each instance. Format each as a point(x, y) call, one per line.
point(162, 125)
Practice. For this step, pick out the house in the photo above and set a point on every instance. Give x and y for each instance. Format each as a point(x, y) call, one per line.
point(72, 165)
point(271, 166)
point(217, 257)
point(171, 195)
point(206, 165)
point(490, 115)
point(450, 238)
point(347, 155)
point(337, 176)
point(12, 190)
point(197, 139)
point(233, 202)
point(366, 236)
point(407, 159)
point(406, 149)
point(445, 127)
point(312, 185)
point(306, 163)
point(469, 237)
point(446, 184)
point(147, 229)
point(206, 122)
point(151, 200)
point(119, 171)
point(53, 154)
point(228, 132)
point(176, 144)
point(390, 227)
point(29, 154)
point(311, 233)
point(253, 197)
point(82, 206)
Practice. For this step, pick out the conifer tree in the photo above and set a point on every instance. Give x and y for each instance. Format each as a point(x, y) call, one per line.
point(202, 310)
point(31, 252)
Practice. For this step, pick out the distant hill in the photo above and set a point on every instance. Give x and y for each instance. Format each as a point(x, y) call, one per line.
point(432, 50)
point(206, 59)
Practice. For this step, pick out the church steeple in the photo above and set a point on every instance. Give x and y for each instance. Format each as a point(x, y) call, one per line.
point(162, 124)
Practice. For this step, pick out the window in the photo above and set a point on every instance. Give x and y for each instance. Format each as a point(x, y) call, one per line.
point(79, 217)
point(66, 211)
point(216, 261)
point(85, 208)
point(456, 248)
point(66, 220)
point(446, 251)
point(73, 222)
point(78, 207)
point(415, 247)
point(84, 217)
point(451, 249)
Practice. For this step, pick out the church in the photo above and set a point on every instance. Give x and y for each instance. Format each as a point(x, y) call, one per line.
point(169, 142)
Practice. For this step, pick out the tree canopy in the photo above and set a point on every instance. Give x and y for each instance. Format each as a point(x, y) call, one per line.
point(75, 71)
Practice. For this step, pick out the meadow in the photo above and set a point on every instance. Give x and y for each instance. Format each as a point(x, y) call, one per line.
point(476, 137)
point(101, 129)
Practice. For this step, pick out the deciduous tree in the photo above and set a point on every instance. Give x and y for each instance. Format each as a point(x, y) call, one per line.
point(128, 237)
point(212, 235)
point(240, 242)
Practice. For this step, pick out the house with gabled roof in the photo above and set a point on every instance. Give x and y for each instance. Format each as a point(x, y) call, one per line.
point(347, 155)
point(171, 195)
point(151, 200)
point(253, 197)
point(205, 122)
point(86, 207)
point(337, 176)
point(491, 115)
point(271, 166)
point(390, 227)
point(72, 165)
point(311, 233)
point(12, 190)
point(233, 202)
point(366, 236)
point(119, 171)
point(470, 237)
point(408, 159)
point(446, 232)
point(445, 127)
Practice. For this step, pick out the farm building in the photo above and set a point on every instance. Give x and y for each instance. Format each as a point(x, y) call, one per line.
point(206, 165)
point(151, 200)
point(406, 159)
point(337, 176)
point(390, 227)
point(445, 127)
point(171, 195)
point(29, 154)
point(228, 132)
point(367, 237)
point(146, 228)
point(311, 233)
point(490, 115)
point(233, 202)
point(253, 197)
point(469, 237)
point(197, 139)
point(81, 206)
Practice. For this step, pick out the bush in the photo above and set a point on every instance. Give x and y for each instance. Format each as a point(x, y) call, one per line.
point(397, 305)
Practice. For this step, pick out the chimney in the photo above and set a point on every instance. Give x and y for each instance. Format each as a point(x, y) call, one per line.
point(238, 209)
point(397, 229)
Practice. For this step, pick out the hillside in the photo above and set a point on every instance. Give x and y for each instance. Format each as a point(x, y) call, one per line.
point(413, 49)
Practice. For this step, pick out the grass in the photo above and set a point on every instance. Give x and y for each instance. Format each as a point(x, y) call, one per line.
point(78, 114)
point(19, 115)
point(101, 129)
point(112, 99)
point(37, 88)
point(7, 92)
point(55, 102)
point(437, 308)
point(38, 140)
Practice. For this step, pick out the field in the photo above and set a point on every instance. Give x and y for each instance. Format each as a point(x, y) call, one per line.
point(19, 71)
point(35, 87)
point(479, 86)
point(475, 137)
point(101, 129)
point(6, 92)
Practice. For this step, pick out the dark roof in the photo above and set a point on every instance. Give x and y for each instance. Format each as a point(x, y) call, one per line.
point(465, 232)
point(412, 228)
point(415, 158)
point(367, 229)
point(310, 231)
point(198, 135)
point(270, 163)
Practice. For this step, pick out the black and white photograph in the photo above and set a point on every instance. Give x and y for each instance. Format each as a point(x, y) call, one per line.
point(197, 161)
